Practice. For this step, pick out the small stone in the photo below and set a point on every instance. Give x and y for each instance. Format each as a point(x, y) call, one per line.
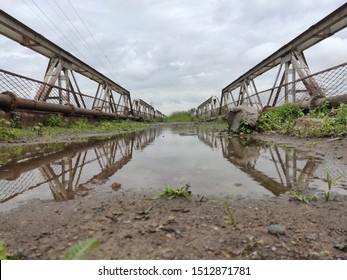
point(168, 255)
point(341, 246)
point(128, 236)
point(310, 236)
point(277, 229)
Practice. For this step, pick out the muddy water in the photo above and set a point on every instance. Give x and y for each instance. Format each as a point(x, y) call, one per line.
point(150, 160)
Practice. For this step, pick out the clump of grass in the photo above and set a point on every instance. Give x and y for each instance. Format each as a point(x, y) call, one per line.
point(330, 182)
point(280, 118)
point(81, 124)
point(230, 213)
point(251, 243)
point(7, 133)
point(170, 193)
point(54, 120)
point(303, 198)
point(81, 249)
point(4, 255)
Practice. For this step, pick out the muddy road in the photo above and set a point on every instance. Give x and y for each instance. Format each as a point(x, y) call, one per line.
point(254, 197)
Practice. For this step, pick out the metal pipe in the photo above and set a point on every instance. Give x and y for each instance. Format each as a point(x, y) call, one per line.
point(9, 102)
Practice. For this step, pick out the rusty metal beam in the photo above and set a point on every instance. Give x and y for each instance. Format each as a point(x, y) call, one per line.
point(10, 102)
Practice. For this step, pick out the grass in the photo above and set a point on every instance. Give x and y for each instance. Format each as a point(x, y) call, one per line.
point(181, 116)
point(4, 254)
point(77, 251)
point(56, 125)
point(170, 193)
point(230, 213)
point(81, 249)
point(330, 181)
point(282, 119)
point(308, 199)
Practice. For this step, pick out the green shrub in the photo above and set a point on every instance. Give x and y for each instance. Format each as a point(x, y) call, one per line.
point(80, 124)
point(341, 115)
point(7, 133)
point(54, 120)
point(320, 112)
point(280, 118)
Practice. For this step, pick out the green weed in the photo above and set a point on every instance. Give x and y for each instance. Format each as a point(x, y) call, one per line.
point(4, 255)
point(303, 198)
point(80, 250)
point(230, 213)
point(81, 124)
point(54, 120)
point(341, 115)
point(311, 144)
point(170, 193)
point(280, 118)
point(321, 111)
point(251, 243)
point(7, 132)
point(330, 182)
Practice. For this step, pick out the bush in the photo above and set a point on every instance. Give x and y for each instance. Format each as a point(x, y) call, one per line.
point(7, 133)
point(54, 120)
point(80, 124)
point(341, 115)
point(280, 118)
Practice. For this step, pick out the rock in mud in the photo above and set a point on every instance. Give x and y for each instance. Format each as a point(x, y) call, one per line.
point(310, 236)
point(242, 115)
point(276, 229)
point(341, 246)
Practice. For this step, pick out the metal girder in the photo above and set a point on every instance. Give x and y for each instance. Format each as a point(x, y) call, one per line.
point(143, 110)
point(208, 107)
point(22, 34)
point(326, 27)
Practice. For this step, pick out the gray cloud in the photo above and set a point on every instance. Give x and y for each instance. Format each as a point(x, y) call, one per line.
point(174, 54)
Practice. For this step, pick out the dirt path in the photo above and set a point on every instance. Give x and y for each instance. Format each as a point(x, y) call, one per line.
point(128, 226)
point(199, 228)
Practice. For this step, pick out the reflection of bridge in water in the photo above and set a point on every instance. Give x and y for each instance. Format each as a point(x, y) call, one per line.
point(278, 169)
point(69, 169)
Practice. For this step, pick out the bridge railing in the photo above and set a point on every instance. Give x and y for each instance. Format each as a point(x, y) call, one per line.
point(27, 88)
point(332, 81)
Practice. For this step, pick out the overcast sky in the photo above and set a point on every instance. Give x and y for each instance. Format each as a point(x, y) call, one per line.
point(172, 53)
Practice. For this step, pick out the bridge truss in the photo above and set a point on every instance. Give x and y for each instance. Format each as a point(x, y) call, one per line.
point(60, 85)
point(293, 81)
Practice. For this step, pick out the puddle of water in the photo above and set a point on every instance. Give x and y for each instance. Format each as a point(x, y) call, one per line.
point(153, 159)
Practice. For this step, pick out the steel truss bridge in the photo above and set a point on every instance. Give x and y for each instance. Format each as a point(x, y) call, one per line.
point(59, 91)
point(293, 81)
